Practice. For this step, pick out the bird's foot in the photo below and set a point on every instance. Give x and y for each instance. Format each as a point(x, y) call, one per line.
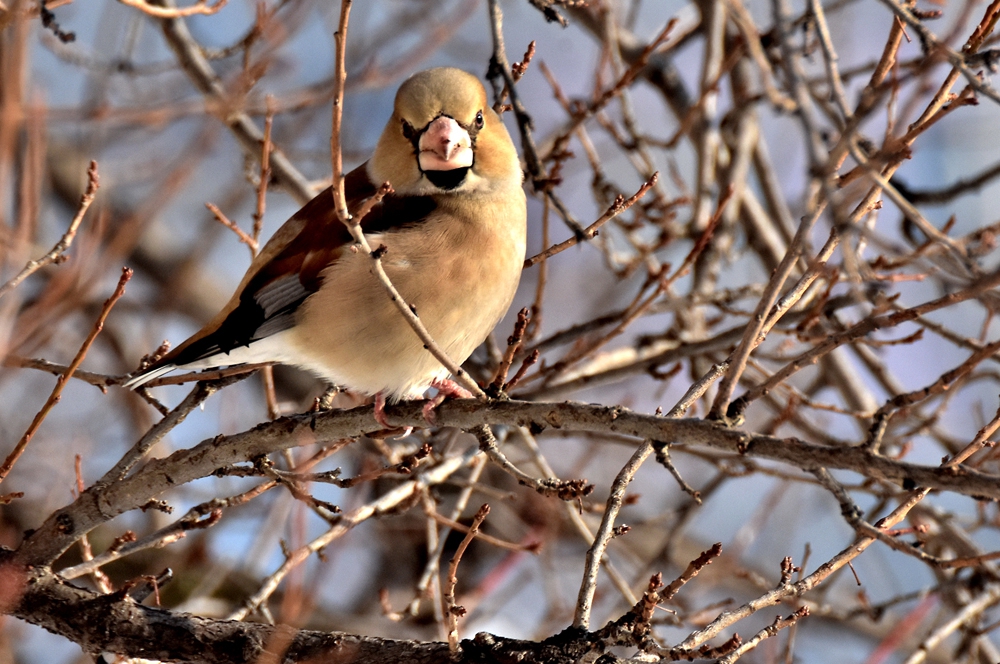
point(450, 388)
point(446, 388)
point(384, 421)
point(380, 411)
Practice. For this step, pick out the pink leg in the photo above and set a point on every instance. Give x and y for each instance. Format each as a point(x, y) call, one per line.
point(446, 388)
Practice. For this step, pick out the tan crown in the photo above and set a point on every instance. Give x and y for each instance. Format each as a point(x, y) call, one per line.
point(422, 99)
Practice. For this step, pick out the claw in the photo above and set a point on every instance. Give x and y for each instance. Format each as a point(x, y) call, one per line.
point(450, 388)
point(446, 388)
point(430, 406)
point(384, 421)
point(380, 411)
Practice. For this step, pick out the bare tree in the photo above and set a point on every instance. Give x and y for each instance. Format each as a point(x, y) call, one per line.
point(750, 402)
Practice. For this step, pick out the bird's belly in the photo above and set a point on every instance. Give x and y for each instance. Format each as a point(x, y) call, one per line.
point(363, 342)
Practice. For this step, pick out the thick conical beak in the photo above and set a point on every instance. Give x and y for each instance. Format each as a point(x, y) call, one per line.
point(445, 146)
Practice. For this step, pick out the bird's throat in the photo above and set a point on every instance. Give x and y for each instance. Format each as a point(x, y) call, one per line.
point(447, 179)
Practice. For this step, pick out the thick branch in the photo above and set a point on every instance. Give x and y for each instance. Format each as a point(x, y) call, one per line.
point(98, 505)
point(140, 631)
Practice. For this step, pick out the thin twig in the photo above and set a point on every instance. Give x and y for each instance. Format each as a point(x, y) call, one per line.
point(198, 517)
point(381, 505)
point(531, 547)
point(156, 433)
point(930, 42)
point(63, 380)
point(588, 587)
point(641, 307)
point(864, 328)
point(563, 489)
point(267, 373)
point(514, 342)
point(100, 381)
point(265, 170)
point(57, 252)
point(751, 336)
point(353, 225)
point(436, 542)
point(572, 514)
point(197, 67)
point(86, 552)
point(779, 624)
point(200, 7)
point(830, 59)
point(620, 205)
point(233, 226)
point(451, 610)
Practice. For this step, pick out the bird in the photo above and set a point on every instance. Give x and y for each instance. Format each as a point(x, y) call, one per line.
point(451, 236)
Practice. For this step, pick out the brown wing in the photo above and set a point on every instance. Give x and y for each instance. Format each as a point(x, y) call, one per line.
point(288, 269)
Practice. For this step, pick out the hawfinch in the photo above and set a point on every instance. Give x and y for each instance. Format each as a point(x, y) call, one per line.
point(454, 238)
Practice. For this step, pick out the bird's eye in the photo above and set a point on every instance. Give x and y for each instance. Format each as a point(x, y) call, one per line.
point(479, 120)
point(408, 132)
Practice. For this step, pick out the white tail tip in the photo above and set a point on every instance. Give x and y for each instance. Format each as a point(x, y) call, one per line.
point(142, 378)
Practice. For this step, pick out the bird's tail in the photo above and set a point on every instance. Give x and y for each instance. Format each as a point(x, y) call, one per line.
point(144, 377)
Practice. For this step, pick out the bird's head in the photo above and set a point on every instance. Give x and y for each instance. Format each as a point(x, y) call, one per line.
point(444, 137)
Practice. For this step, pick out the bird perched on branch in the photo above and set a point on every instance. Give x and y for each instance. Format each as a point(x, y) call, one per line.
point(451, 237)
